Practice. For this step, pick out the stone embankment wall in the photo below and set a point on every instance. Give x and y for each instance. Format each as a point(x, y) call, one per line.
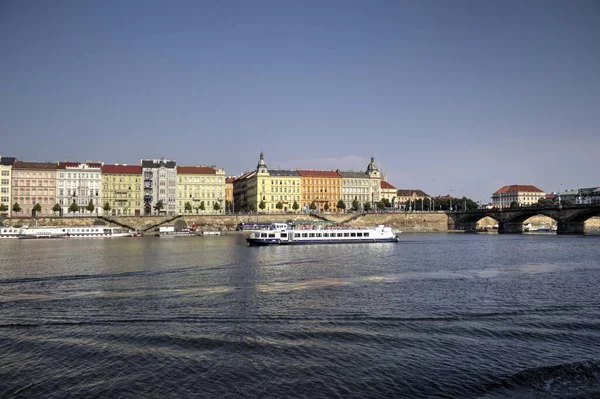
point(406, 222)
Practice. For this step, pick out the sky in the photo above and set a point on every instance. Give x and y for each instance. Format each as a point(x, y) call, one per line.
point(457, 97)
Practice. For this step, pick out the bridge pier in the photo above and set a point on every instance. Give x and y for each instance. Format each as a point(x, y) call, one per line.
point(575, 228)
point(510, 228)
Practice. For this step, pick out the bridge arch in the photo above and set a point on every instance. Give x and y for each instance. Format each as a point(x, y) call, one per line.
point(584, 215)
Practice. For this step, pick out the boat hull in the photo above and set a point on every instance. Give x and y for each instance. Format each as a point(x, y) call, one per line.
point(258, 242)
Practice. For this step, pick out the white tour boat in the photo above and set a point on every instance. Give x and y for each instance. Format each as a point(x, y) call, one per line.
point(9, 232)
point(283, 234)
point(75, 232)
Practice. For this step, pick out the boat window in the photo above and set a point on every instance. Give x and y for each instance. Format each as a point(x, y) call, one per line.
point(359, 234)
point(325, 234)
point(340, 235)
point(283, 235)
point(311, 234)
point(352, 234)
point(296, 234)
point(263, 234)
point(271, 235)
point(366, 234)
point(346, 234)
point(304, 235)
point(318, 234)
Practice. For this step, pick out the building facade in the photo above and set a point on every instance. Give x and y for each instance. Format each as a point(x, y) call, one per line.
point(390, 193)
point(34, 183)
point(356, 186)
point(6, 164)
point(122, 190)
point(79, 183)
point(229, 194)
point(160, 186)
point(322, 187)
point(200, 187)
point(404, 195)
point(523, 195)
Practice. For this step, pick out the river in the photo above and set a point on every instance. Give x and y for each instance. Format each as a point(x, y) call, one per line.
point(438, 315)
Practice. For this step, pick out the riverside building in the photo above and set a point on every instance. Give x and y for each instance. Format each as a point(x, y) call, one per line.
point(523, 195)
point(201, 188)
point(34, 183)
point(160, 186)
point(322, 187)
point(122, 190)
point(79, 183)
point(6, 164)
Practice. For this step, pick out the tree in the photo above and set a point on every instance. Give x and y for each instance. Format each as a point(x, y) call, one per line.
point(37, 208)
point(326, 206)
point(16, 208)
point(355, 204)
point(341, 204)
point(262, 205)
point(279, 205)
point(56, 208)
point(252, 207)
point(202, 206)
point(514, 205)
point(73, 207)
point(188, 207)
point(106, 207)
point(313, 206)
point(295, 206)
point(216, 206)
point(367, 206)
point(3, 208)
point(385, 203)
point(90, 206)
point(159, 206)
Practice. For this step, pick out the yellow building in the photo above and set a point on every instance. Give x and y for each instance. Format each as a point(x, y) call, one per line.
point(324, 188)
point(200, 187)
point(268, 191)
point(6, 165)
point(229, 194)
point(389, 192)
point(122, 190)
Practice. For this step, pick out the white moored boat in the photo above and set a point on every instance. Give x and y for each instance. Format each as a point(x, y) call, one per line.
point(75, 232)
point(283, 234)
point(9, 232)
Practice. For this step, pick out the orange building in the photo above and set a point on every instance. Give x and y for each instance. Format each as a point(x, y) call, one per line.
point(322, 187)
point(229, 193)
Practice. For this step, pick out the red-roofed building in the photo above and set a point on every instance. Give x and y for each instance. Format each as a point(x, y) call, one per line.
point(34, 183)
point(122, 190)
point(389, 193)
point(522, 194)
point(79, 183)
point(323, 187)
point(200, 190)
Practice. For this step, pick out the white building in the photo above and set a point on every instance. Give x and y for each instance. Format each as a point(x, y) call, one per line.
point(79, 183)
point(160, 186)
point(362, 186)
point(6, 165)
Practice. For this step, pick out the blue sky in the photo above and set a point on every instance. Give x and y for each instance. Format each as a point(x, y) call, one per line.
point(446, 95)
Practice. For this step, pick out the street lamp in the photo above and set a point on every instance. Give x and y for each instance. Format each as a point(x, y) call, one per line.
point(450, 199)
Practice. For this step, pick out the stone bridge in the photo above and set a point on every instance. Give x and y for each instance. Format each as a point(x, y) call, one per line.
point(569, 219)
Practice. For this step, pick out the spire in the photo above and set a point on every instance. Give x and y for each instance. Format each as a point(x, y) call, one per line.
point(372, 167)
point(262, 166)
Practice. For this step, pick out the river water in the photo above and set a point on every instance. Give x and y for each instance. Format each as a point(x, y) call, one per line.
point(439, 315)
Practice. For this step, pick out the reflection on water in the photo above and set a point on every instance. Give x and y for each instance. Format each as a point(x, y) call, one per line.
point(451, 315)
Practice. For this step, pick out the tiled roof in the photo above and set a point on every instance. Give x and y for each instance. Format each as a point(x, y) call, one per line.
point(353, 175)
point(195, 170)
point(65, 165)
point(282, 172)
point(35, 165)
point(229, 180)
point(518, 188)
point(409, 192)
point(387, 185)
point(319, 173)
point(156, 163)
point(122, 169)
point(6, 161)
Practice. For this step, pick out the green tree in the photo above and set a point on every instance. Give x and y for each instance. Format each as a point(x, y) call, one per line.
point(279, 205)
point(514, 205)
point(106, 207)
point(188, 207)
point(252, 207)
point(216, 206)
point(37, 208)
point(355, 204)
point(159, 206)
point(367, 206)
point(313, 206)
point(295, 206)
point(56, 208)
point(262, 205)
point(341, 204)
point(16, 208)
point(90, 206)
point(3, 208)
point(202, 206)
point(326, 206)
point(385, 203)
point(73, 207)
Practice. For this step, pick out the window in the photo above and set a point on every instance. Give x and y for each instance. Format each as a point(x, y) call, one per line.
point(366, 234)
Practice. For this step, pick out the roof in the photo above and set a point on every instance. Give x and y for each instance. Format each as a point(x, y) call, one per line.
point(387, 185)
point(282, 172)
point(7, 161)
point(122, 169)
point(65, 165)
point(353, 175)
point(195, 170)
point(319, 173)
point(518, 188)
point(156, 163)
point(410, 192)
point(229, 180)
point(550, 196)
point(35, 165)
